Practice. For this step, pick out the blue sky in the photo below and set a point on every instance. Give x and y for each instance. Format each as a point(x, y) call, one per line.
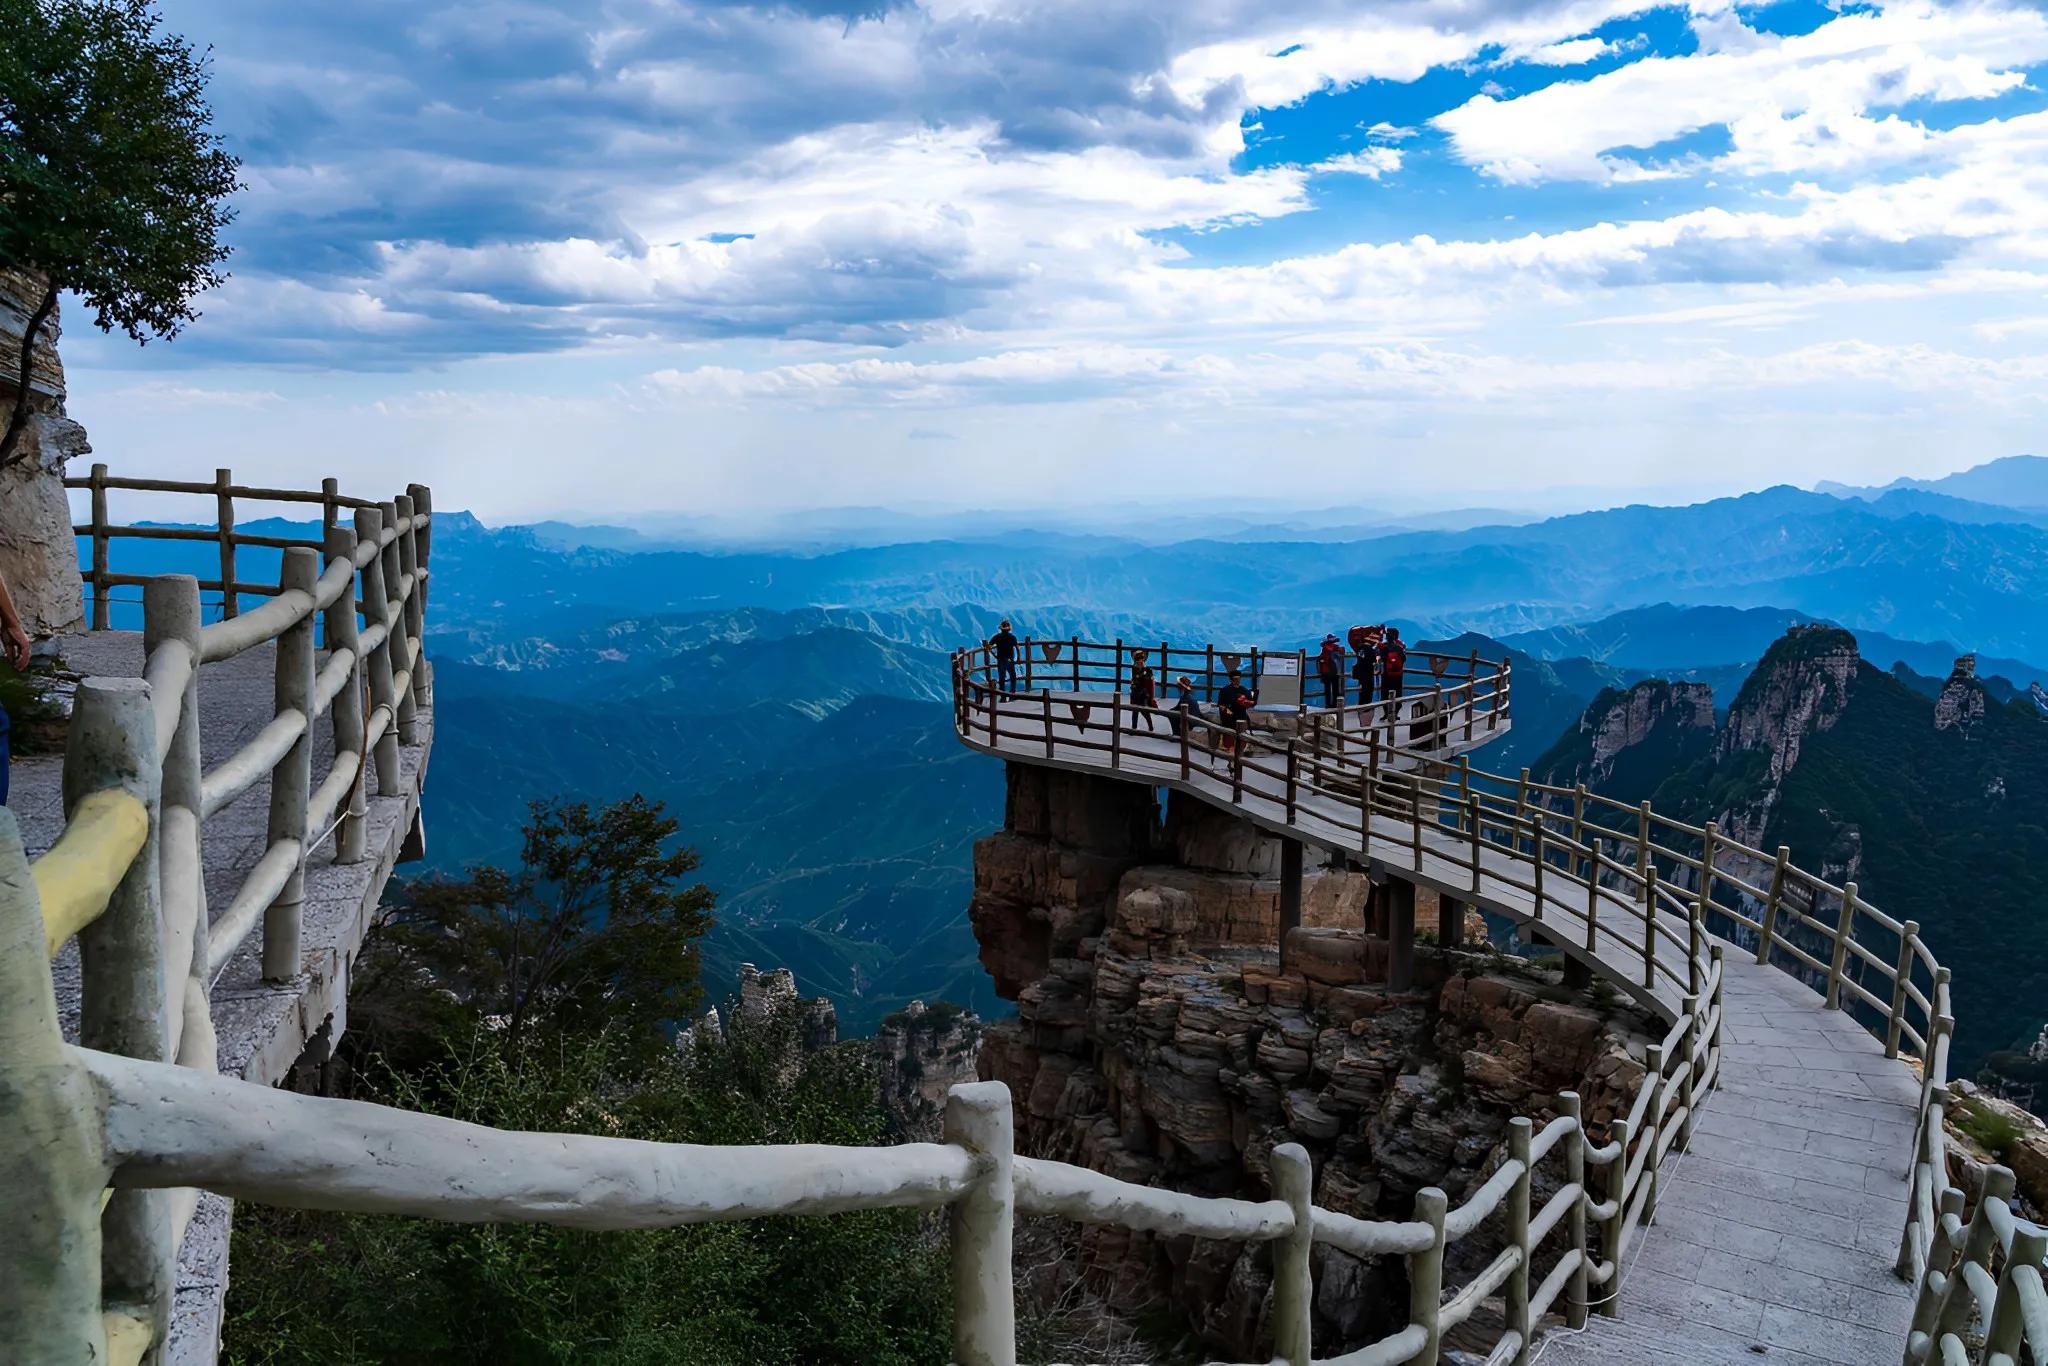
point(635, 256)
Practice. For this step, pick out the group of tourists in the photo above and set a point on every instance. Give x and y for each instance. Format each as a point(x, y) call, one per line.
point(1380, 661)
point(1377, 654)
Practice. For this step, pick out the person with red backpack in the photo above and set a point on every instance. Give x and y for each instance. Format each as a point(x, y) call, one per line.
point(1393, 663)
point(1330, 669)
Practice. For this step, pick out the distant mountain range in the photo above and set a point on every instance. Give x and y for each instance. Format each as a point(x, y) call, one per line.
point(789, 704)
point(2017, 481)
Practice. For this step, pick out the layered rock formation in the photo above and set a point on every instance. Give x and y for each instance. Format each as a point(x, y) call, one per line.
point(923, 1052)
point(1629, 740)
point(38, 556)
point(1960, 707)
point(1157, 1040)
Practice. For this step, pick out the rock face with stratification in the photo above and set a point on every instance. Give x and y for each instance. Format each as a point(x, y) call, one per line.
point(923, 1052)
point(38, 556)
point(1157, 1041)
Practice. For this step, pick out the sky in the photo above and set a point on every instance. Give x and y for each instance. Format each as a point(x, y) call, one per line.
point(638, 257)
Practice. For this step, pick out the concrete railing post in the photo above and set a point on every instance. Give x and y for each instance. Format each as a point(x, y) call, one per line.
point(1902, 977)
point(101, 608)
point(1519, 1134)
point(978, 1118)
point(377, 612)
point(171, 617)
point(1426, 1278)
point(401, 646)
point(1293, 1295)
point(350, 839)
point(1649, 885)
point(1653, 1135)
point(1718, 957)
point(291, 780)
point(1575, 1221)
point(1772, 903)
point(1844, 929)
point(1610, 1227)
point(49, 1188)
point(1934, 1277)
point(224, 519)
point(1980, 1239)
point(415, 599)
point(2005, 1334)
point(1689, 1047)
point(112, 745)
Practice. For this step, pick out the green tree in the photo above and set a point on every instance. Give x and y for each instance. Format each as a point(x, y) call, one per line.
point(597, 927)
point(112, 182)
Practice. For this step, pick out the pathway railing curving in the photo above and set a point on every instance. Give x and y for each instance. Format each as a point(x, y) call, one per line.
point(113, 1125)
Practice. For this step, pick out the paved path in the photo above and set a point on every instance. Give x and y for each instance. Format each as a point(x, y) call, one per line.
point(262, 1027)
point(1778, 1227)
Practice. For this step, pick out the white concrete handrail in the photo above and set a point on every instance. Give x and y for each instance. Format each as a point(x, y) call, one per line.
point(126, 875)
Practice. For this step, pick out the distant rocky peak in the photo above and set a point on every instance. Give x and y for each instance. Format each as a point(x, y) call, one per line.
point(1960, 707)
point(1629, 718)
point(1799, 687)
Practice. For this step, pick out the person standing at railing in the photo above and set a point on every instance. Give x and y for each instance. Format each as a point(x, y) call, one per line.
point(1330, 669)
point(1144, 690)
point(1393, 664)
point(1365, 644)
point(1184, 705)
point(15, 644)
point(1235, 704)
point(1004, 644)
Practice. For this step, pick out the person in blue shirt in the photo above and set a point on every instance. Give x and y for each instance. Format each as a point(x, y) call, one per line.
point(14, 644)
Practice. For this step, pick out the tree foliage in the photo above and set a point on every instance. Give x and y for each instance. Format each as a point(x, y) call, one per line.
point(591, 944)
point(597, 925)
point(113, 183)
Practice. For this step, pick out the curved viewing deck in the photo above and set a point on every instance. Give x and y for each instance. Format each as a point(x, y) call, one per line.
point(1787, 1142)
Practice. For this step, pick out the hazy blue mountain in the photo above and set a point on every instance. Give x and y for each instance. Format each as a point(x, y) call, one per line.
point(1664, 636)
point(2015, 481)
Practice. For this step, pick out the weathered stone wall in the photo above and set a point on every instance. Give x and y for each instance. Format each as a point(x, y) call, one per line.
point(37, 554)
point(1157, 1041)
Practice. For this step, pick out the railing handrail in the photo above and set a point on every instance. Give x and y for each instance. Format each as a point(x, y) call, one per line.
point(1540, 823)
point(126, 873)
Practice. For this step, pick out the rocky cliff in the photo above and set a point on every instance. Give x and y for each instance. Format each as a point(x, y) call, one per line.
point(1628, 740)
point(38, 557)
point(1158, 1041)
point(1927, 797)
point(920, 1052)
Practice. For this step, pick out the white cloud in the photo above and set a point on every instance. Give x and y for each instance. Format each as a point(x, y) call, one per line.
point(1798, 104)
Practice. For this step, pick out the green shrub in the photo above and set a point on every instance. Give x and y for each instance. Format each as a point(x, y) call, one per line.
point(1990, 1130)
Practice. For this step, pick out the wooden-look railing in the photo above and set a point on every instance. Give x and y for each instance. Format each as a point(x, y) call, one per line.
point(126, 874)
point(1444, 700)
point(1634, 894)
point(101, 575)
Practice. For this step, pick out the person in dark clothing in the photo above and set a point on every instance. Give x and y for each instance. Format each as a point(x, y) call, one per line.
point(1393, 663)
point(14, 644)
point(1184, 705)
point(1004, 643)
point(1365, 646)
point(1235, 703)
point(1330, 669)
point(1144, 690)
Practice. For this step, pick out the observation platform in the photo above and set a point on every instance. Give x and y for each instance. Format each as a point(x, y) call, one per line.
point(261, 1028)
point(1775, 1232)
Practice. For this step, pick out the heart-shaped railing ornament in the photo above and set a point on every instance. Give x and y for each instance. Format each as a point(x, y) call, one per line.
point(1079, 711)
point(1230, 661)
point(1051, 650)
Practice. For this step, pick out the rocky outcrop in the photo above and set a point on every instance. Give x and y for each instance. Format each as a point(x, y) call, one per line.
point(1801, 686)
point(38, 556)
point(1960, 707)
point(1157, 1040)
point(763, 994)
point(923, 1052)
point(1627, 740)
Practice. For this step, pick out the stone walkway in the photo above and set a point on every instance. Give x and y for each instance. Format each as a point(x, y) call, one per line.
point(262, 1027)
point(1778, 1228)
point(1776, 1232)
